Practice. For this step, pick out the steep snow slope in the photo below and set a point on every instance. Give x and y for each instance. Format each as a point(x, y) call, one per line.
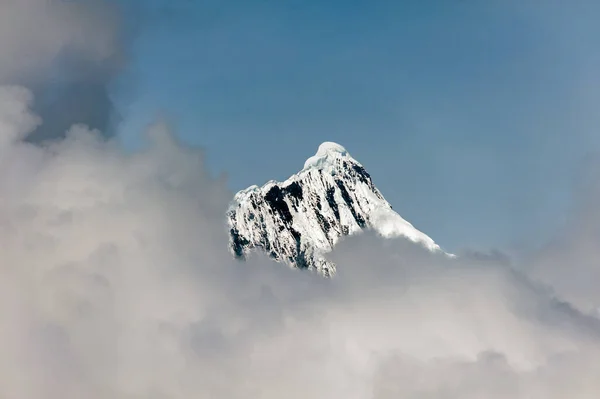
point(299, 220)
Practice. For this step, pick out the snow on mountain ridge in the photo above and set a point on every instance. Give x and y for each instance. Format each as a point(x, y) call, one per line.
point(325, 153)
point(301, 219)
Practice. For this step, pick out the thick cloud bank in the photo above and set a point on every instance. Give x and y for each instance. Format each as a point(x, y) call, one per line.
point(115, 282)
point(69, 53)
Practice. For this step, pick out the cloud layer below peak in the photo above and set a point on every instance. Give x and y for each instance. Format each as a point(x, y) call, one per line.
point(115, 282)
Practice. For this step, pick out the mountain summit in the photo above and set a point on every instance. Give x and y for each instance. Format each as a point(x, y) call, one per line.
point(299, 220)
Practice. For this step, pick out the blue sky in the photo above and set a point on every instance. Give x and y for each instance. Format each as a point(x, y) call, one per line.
point(473, 117)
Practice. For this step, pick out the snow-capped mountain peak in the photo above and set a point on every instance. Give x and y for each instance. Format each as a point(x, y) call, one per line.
point(299, 220)
point(326, 155)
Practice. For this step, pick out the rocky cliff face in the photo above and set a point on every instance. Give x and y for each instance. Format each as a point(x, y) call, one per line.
point(299, 220)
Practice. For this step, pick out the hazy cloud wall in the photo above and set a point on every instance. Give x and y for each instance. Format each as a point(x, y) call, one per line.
point(69, 53)
point(570, 263)
point(116, 283)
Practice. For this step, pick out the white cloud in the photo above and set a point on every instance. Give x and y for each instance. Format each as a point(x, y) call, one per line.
point(69, 54)
point(116, 283)
point(15, 116)
point(33, 33)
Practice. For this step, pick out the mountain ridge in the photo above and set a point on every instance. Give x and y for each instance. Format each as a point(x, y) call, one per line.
point(299, 220)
